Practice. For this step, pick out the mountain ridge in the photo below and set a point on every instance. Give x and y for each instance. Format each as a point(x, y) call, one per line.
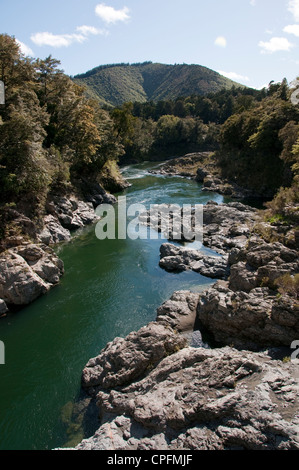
point(116, 84)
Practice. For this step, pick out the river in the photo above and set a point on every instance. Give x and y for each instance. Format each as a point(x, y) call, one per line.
point(109, 289)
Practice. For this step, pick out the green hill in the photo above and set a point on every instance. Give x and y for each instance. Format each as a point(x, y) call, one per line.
point(119, 83)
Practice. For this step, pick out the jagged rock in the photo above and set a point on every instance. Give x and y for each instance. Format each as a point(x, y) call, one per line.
point(73, 213)
point(227, 226)
point(26, 272)
point(65, 215)
point(173, 258)
point(201, 399)
point(260, 264)
point(53, 232)
point(124, 360)
point(248, 320)
point(179, 311)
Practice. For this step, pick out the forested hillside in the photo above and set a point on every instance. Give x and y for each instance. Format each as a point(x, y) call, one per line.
point(51, 135)
point(119, 83)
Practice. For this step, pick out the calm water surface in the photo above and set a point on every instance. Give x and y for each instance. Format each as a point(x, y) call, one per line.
point(109, 289)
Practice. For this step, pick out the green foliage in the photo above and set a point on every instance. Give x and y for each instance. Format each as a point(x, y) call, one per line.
point(256, 143)
point(50, 133)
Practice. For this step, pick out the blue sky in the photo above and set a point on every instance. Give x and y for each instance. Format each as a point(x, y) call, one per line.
point(250, 41)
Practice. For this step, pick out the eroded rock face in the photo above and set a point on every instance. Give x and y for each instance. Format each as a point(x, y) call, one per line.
point(201, 399)
point(227, 226)
point(124, 360)
point(152, 397)
point(28, 271)
point(65, 215)
point(249, 320)
point(3, 307)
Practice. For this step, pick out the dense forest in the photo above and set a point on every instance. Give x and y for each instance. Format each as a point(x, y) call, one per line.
point(52, 135)
point(116, 84)
point(254, 137)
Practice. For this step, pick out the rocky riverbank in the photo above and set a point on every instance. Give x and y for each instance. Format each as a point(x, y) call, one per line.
point(202, 167)
point(28, 265)
point(164, 387)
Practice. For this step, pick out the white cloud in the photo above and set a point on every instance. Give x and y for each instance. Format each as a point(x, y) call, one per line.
point(87, 30)
point(56, 40)
point(293, 7)
point(110, 14)
point(220, 41)
point(292, 29)
point(65, 40)
point(25, 49)
point(274, 45)
point(234, 76)
point(253, 2)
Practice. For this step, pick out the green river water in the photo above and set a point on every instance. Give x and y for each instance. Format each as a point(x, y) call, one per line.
point(109, 289)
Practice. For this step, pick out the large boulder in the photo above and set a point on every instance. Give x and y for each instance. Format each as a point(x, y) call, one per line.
point(26, 272)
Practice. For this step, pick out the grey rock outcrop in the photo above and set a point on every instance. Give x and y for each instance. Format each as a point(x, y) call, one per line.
point(179, 311)
point(227, 226)
point(28, 271)
point(155, 391)
point(253, 320)
point(197, 399)
point(174, 258)
point(124, 360)
point(261, 263)
point(65, 215)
